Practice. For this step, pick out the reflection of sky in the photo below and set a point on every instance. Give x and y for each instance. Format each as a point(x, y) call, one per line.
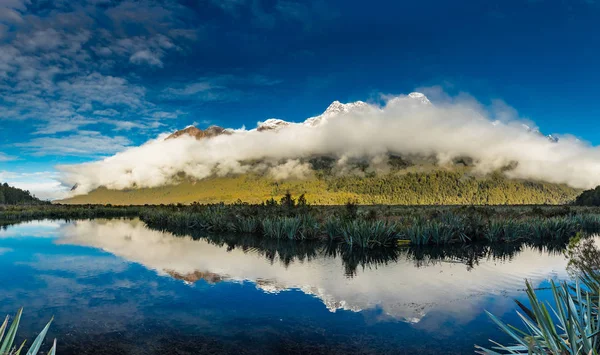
point(43, 229)
point(105, 277)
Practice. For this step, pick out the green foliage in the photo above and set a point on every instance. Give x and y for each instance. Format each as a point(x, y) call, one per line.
point(351, 210)
point(589, 198)
point(572, 324)
point(406, 187)
point(368, 234)
point(288, 201)
point(14, 196)
point(576, 329)
point(249, 225)
point(30, 212)
point(282, 228)
point(449, 188)
point(425, 225)
point(8, 335)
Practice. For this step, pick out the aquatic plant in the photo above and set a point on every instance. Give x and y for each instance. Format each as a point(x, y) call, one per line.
point(369, 234)
point(310, 227)
point(333, 227)
point(538, 229)
point(512, 230)
point(8, 335)
point(572, 326)
point(422, 225)
point(247, 225)
point(282, 227)
point(416, 232)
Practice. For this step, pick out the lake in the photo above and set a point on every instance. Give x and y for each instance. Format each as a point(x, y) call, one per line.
point(117, 287)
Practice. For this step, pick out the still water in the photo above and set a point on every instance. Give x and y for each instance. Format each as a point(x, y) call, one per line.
point(117, 287)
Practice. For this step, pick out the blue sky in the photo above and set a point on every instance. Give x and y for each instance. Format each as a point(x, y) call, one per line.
point(80, 80)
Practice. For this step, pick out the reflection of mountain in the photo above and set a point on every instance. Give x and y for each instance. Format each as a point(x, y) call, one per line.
point(196, 276)
point(400, 289)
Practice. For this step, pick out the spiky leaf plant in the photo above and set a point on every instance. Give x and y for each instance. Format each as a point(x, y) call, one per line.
point(7, 338)
point(571, 326)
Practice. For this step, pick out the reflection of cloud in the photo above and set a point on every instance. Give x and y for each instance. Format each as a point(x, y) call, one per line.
point(400, 290)
point(5, 250)
point(80, 266)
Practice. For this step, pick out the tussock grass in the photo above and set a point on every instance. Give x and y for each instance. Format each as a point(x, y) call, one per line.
point(358, 226)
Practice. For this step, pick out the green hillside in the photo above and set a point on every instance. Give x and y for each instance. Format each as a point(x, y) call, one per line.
point(13, 196)
point(407, 188)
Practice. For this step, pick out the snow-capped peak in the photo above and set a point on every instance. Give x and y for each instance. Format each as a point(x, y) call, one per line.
point(336, 108)
point(272, 124)
point(420, 97)
point(414, 98)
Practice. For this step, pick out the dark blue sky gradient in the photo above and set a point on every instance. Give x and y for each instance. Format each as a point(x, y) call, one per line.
point(236, 62)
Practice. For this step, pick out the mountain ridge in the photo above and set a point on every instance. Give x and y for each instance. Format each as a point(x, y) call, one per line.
point(334, 109)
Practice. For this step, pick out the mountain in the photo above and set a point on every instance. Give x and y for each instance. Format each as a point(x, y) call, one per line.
point(408, 185)
point(335, 109)
point(197, 133)
point(272, 124)
point(406, 179)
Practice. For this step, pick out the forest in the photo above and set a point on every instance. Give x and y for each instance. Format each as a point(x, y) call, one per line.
point(14, 196)
point(437, 187)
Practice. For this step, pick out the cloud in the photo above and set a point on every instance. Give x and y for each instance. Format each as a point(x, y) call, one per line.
point(405, 125)
point(11, 10)
point(42, 184)
point(5, 157)
point(108, 112)
point(66, 61)
point(83, 143)
point(146, 57)
point(121, 125)
point(218, 88)
point(397, 288)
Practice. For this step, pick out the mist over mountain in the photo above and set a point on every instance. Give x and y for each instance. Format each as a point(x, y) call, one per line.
point(355, 134)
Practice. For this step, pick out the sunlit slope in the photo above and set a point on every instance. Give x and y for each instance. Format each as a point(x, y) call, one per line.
point(415, 188)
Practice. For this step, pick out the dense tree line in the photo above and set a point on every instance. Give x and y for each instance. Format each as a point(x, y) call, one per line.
point(438, 187)
point(589, 198)
point(13, 196)
point(450, 187)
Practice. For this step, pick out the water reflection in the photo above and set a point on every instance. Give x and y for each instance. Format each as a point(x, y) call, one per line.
point(116, 287)
point(404, 285)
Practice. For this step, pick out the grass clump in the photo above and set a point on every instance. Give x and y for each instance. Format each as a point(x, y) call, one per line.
point(368, 234)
